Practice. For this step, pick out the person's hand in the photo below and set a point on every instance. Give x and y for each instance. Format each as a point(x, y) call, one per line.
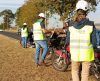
point(52, 31)
point(44, 30)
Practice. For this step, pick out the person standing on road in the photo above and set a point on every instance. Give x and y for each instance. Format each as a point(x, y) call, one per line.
point(82, 39)
point(24, 35)
point(40, 39)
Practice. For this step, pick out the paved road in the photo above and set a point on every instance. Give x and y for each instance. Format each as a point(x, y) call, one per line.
point(10, 34)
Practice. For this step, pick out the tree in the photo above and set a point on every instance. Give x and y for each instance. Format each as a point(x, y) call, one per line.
point(66, 7)
point(8, 17)
point(29, 11)
point(1, 26)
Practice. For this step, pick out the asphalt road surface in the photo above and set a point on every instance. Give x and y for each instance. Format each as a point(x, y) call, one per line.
point(11, 34)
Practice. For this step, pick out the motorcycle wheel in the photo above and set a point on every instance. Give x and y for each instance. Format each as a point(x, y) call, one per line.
point(98, 79)
point(49, 54)
point(59, 63)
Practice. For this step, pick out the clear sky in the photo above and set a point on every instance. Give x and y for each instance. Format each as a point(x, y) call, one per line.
point(10, 4)
point(14, 4)
point(95, 16)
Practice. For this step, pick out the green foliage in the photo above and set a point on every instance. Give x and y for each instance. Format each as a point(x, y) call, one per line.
point(8, 17)
point(29, 11)
point(66, 7)
point(1, 26)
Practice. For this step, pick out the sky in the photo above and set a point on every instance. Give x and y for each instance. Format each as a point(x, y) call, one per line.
point(14, 4)
point(95, 16)
point(11, 4)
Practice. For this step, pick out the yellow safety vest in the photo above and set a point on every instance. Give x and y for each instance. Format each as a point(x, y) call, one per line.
point(24, 32)
point(81, 48)
point(37, 32)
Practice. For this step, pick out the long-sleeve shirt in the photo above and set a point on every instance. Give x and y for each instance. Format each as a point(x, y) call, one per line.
point(81, 24)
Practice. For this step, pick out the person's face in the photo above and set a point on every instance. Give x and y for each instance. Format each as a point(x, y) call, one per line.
point(80, 16)
point(24, 25)
point(65, 25)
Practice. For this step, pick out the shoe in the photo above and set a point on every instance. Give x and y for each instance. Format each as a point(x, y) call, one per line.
point(42, 63)
point(37, 65)
point(30, 47)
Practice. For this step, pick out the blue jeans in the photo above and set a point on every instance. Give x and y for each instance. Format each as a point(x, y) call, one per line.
point(98, 37)
point(24, 42)
point(44, 45)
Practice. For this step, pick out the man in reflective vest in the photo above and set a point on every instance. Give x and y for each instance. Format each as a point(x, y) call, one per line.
point(40, 39)
point(82, 39)
point(24, 35)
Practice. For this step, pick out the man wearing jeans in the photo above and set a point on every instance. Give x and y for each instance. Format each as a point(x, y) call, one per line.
point(40, 39)
point(24, 35)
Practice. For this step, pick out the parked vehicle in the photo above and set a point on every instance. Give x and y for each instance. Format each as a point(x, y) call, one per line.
point(61, 61)
point(54, 42)
point(95, 65)
point(1, 30)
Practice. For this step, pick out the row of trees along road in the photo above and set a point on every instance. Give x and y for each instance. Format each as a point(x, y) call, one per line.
point(8, 18)
point(29, 11)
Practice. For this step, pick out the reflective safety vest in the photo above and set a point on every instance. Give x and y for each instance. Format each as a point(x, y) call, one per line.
point(81, 48)
point(37, 31)
point(24, 32)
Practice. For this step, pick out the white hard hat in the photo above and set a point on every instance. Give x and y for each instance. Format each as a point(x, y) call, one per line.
point(82, 4)
point(24, 24)
point(42, 15)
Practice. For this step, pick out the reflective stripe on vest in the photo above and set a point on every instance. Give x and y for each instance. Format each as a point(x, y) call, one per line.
point(81, 48)
point(37, 32)
point(24, 32)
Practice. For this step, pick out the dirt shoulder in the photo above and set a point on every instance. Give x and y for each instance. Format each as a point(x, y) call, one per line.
point(17, 64)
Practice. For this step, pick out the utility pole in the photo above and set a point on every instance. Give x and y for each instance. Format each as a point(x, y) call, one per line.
point(45, 15)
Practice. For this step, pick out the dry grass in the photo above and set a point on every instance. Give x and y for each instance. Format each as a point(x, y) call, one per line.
point(17, 64)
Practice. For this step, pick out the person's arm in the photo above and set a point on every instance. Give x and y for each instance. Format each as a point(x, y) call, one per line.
point(44, 29)
point(93, 37)
point(67, 37)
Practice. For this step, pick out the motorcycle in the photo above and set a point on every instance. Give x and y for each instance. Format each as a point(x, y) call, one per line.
point(95, 65)
point(61, 61)
point(54, 43)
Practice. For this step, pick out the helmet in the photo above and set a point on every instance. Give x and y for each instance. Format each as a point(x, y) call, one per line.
point(82, 4)
point(42, 15)
point(24, 24)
